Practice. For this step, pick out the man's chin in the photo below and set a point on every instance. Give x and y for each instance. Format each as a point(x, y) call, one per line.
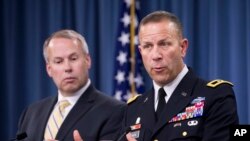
point(70, 90)
point(160, 81)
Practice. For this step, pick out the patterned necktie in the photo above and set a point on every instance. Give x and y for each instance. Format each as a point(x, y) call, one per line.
point(55, 120)
point(161, 102)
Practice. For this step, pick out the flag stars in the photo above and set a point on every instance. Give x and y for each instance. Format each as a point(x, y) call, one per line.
point(120, 77)
point(122, 57)
point(125, 20)
point(128, 3)
point(138, 81)
point(136, 22)
point(118, 95)
point(136, 40)
point(125, 78)
point(127, 95)
point(124, 39)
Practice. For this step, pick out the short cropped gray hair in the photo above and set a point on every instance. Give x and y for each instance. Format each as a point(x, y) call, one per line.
point(68, 34)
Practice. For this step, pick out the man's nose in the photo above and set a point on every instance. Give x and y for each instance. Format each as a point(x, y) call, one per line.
point(67, 66)
point(156, 53)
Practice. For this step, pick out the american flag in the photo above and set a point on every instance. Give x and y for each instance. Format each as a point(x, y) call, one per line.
point(128, 79)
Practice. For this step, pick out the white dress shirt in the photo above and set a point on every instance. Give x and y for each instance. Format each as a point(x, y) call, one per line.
point(169, 88)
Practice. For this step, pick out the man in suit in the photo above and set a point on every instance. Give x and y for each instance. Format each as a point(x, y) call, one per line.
point(180, 106)
point(85, 110)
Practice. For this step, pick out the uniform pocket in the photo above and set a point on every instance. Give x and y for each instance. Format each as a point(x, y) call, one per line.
point(186, 130)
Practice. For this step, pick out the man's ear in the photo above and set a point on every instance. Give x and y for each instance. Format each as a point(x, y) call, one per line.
point(88, 60)
point(48, 69)
point(184, 47)
point(139, 48)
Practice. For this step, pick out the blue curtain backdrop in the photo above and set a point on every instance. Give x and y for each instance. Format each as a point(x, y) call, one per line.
point(218, 33)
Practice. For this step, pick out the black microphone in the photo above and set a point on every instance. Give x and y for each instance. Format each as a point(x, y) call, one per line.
point(20, 136)
point(128, 129)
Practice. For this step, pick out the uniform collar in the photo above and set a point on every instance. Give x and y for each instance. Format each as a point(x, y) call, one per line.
point(170, 87)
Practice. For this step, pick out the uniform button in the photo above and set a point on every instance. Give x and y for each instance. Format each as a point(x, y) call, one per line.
point(184, 134)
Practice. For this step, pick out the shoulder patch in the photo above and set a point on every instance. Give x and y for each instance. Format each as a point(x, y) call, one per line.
point(217, 82)
point(133, 98)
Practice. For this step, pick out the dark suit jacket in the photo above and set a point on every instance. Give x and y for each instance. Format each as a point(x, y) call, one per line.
point(95, 115)
point(194, 112)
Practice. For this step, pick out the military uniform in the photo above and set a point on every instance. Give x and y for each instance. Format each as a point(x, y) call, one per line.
point(197, 110)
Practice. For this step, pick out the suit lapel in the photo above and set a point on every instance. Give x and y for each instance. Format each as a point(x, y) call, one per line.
point(147, 110)
point(180, 98)
point(43, 119)
point(82, 106)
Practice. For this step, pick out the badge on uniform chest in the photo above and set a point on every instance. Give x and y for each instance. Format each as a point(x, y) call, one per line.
point(195, 110)
point(135, 129)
